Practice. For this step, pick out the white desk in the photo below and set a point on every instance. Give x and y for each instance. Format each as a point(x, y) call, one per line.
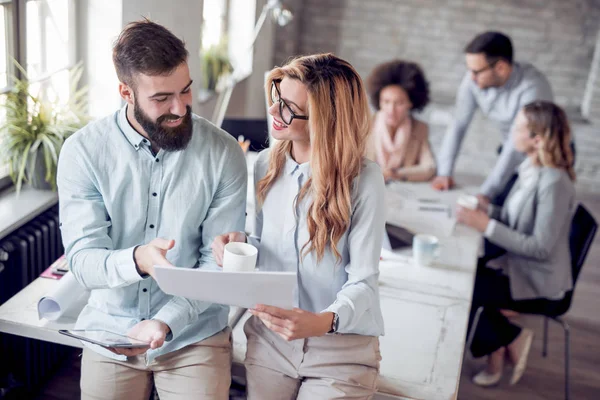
point(18, 316)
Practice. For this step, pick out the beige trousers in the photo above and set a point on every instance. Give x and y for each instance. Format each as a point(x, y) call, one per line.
point(199, 371)
point(326, 367)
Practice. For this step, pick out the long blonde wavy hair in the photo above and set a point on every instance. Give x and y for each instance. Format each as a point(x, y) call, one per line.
point(549, 121)
point(339, 126)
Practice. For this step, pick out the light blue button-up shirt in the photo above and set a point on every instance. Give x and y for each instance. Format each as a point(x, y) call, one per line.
point(349, 288)
point(500, 104)
point(115, 194)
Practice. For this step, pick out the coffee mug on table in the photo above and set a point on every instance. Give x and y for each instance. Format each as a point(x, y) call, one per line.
point(426, 249)
point(239, 257)
point(468, 201)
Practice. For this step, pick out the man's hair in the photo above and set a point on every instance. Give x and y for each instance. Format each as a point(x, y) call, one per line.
point(149, 48)
point(494, 45)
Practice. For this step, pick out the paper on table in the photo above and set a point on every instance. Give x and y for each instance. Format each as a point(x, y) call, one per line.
point(242, 289)
point(418, 217)
point(66, 293)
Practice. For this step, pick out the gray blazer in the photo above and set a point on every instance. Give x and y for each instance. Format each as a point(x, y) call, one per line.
point(538, 259)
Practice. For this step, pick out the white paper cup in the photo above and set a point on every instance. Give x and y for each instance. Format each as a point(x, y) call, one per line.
point(426, 249)
point(468, 201)
point(239, 257)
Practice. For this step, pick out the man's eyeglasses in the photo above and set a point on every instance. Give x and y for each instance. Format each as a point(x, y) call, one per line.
point(287, 115)
point(479, 71)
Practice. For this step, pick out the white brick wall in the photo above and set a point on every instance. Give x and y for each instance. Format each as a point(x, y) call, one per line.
point(557, 36)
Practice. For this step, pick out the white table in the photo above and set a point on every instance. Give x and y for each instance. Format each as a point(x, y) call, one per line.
point(18, 316)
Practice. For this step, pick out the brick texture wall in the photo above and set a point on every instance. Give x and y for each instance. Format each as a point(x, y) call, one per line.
point(557, 36)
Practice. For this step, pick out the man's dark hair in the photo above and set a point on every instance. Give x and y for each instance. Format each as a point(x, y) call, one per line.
point(494, 45)
point(408, 75)
point(149, 48)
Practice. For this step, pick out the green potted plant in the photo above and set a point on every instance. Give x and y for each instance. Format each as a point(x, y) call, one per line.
point(35, 129)
point(215, 66)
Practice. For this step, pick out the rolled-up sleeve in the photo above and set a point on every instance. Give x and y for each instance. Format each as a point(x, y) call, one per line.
point(85, 225)
point(464, 110)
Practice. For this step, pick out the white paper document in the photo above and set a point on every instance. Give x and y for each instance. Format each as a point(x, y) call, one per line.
point(67, 293)
point(242, 289)
point(434, 218)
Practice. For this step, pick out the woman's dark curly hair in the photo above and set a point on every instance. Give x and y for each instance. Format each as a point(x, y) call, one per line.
point(408, 75)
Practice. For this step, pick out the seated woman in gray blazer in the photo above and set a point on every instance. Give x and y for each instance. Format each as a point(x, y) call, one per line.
point(532, 228)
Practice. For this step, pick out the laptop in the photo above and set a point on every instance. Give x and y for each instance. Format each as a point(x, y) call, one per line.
point(396, 237)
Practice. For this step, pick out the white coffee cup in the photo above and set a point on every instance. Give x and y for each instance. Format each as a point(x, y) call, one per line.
point(468, 201)
point(239, 257)
point(426, 249)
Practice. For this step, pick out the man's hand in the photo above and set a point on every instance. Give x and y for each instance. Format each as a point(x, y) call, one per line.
point(218, 245)
point(293, 324)
point(151, 254)
point(150, 331)
point(443, 183)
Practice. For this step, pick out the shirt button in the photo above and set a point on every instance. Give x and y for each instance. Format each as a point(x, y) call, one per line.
point(157, 160)
point(143, 319)
point(154, 194)
point(144, 290)
point(151, 226)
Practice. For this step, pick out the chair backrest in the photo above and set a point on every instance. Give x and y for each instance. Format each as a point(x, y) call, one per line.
point(581, 236)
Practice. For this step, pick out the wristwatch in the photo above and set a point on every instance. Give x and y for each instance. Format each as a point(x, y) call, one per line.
point(334, 323)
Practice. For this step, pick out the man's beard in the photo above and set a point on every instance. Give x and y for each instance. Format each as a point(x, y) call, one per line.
point(168, 139)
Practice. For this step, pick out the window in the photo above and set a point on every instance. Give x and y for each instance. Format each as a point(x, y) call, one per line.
point(45, 47)
point(50, 50)
point(4, 44)
point(224, 19)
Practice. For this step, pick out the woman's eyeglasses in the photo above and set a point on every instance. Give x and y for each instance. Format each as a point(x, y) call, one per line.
point(287, 115)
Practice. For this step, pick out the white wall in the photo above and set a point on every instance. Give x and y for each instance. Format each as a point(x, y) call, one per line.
point(182, 17)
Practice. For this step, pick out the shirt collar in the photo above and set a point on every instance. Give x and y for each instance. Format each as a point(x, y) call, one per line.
point(134, 138)
point(291, 166)
point(528, 172)
point(515, 76)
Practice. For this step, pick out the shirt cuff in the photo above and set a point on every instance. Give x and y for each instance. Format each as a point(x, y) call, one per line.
point(253, 240)
point(125, 264)
point(489, 230)
point(343, 312)
point(176, 315)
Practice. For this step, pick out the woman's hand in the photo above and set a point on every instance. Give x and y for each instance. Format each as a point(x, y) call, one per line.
point(389, 175)
point(293, 324)
point(483, 202)
point(218, 245)
point(474, 218)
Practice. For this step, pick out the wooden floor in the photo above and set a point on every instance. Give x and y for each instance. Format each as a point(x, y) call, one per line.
point(544, 378)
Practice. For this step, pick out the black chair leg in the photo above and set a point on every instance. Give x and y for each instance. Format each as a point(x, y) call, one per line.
point(473, 328)
point(545, 344)
point(567, 330)
point(567, 359)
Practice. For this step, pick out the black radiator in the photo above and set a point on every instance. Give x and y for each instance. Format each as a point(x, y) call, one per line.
point(24, 255)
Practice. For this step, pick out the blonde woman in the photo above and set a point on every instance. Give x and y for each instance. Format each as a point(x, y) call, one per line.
point(533, 230)
point(320, 214)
